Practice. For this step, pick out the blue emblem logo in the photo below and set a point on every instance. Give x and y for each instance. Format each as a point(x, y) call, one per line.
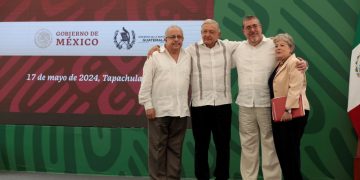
point(124, 40)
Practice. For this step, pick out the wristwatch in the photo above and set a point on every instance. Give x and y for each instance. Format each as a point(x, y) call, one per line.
point(288, 111)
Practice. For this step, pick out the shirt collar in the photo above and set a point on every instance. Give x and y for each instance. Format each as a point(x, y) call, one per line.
point(162, 49)
point(201, 42)
point(264, 39)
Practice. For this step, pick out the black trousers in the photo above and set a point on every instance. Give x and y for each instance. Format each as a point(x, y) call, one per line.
point(215, 121)
point(287, 139)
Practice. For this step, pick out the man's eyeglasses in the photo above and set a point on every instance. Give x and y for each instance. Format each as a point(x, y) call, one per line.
point(175, 37)
point(255, 26)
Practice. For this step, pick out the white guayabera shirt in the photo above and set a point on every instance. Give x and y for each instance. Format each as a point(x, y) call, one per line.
point(254, 67)
point(165, 84)
point(211, 73)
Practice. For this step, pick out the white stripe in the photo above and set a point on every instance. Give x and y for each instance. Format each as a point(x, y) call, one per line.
point(97, 38)
point(354, 80)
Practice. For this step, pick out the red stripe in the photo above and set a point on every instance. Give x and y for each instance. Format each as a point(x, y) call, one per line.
point(354, 115)
point(357, 163)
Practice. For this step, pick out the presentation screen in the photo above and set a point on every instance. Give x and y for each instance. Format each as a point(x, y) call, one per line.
point(79, 63)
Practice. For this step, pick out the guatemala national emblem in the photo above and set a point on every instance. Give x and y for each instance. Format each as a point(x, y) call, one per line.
point(125, 40)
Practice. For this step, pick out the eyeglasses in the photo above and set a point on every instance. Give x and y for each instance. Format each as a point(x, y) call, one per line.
point(255, 26)
point(175, 37)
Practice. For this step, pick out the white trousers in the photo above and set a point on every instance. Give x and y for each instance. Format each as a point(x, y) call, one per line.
point(255, 128)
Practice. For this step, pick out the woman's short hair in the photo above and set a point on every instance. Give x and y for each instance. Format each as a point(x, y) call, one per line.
point(286, 38)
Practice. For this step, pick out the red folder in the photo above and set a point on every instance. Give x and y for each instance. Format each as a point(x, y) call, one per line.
point(278, 108)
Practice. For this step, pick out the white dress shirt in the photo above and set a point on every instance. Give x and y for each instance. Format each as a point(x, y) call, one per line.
point(211, 71)
point(165, 84)
point(254, 67)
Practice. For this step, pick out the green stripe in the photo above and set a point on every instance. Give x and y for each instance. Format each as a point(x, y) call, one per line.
point(357, 34)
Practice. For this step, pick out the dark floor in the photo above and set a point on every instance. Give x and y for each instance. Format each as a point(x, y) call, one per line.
point(14, 175)
point(9, 175)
